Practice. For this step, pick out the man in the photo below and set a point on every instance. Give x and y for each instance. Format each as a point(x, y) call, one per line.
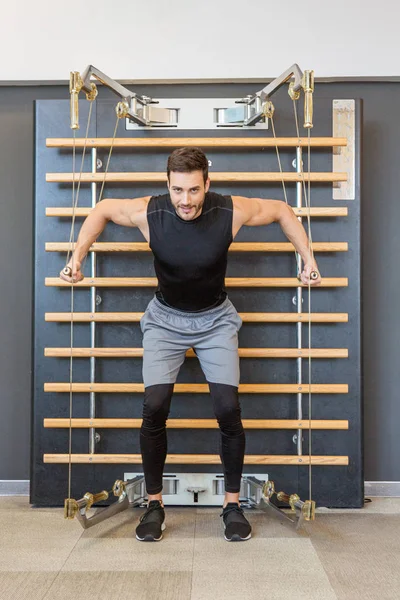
point(189, 231)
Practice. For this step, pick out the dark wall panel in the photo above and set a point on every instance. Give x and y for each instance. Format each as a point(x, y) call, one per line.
point(333, 486)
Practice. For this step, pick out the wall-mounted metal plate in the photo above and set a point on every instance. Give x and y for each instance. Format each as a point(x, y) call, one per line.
point(178, 488)
point(199, 113)
point(343, 125)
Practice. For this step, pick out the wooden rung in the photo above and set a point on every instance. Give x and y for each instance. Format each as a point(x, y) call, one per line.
point(202, 142)
point(157, 177)
point(314, 211)
point(243, 352)
point(201, 388)
point(196, 424)
point(196, 459)
point(134, 317)
point(235, 247)
point(229, 282)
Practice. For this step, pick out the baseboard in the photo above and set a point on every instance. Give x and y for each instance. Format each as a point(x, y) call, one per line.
point(382, 488)
point(14, 487)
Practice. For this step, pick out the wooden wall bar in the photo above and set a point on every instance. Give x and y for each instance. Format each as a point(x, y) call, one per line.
point(235, 247)
point(229, 282)
point(193, 459)
point(231, 177)
point(201, 388)
point(134, 317)
point(243, 352)
point(196, 424)
point(203, 142)
point(314, 211)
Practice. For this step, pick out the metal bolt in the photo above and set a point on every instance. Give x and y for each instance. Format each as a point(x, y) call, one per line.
point(97, 438)
point(294, 163)
point(99, 163)
point(210, 163)
point(99, 300)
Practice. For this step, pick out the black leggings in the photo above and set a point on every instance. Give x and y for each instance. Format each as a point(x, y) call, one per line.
point(153, 435)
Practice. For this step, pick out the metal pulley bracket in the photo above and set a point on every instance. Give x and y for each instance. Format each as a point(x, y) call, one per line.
point(121, 489)
point(300, 511)
point(142, 110)
point(255, 102)
point(138, 109)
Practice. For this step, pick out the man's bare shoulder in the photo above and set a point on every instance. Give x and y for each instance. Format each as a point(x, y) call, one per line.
point(243, 204)
point(130, 212)
point(242, 207)
point(142, 203)
point(239, 201)
point(256, 211)
point(138, 209)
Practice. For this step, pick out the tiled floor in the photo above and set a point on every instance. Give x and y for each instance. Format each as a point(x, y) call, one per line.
point(344, 555)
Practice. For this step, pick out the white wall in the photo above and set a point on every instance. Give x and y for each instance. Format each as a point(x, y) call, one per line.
point(175, 39)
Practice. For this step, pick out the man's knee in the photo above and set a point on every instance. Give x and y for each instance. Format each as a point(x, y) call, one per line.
point(157, 402)
point(227, 407)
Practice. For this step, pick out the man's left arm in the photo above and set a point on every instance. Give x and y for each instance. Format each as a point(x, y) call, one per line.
point(256, 211)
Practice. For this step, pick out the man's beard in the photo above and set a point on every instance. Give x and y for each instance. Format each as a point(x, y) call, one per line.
point(197, 207)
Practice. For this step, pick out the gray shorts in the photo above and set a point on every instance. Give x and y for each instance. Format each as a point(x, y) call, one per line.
point(169, 333)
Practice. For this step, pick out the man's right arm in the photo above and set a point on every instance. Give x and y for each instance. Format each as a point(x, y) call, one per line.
point(129, 213)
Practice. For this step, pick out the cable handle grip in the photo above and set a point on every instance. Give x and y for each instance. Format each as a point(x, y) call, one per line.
point(75, 86)
point(308, 109)
point(313, 275)
point(74, 110)
point(308, 85)
point(67, 271)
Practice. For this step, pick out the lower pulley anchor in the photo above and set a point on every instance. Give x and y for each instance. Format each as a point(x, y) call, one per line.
point(78, 508)
point(300, 511)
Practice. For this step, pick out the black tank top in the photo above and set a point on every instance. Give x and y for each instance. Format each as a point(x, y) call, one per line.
point(190, 257)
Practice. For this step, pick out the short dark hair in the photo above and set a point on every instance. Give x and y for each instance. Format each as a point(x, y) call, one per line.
point(186, 160)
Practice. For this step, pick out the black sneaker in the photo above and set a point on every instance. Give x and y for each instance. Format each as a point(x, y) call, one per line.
point(237, 527)
point(151, 523)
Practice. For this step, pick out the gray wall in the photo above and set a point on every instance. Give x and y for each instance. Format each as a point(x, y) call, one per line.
point(380, 248)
